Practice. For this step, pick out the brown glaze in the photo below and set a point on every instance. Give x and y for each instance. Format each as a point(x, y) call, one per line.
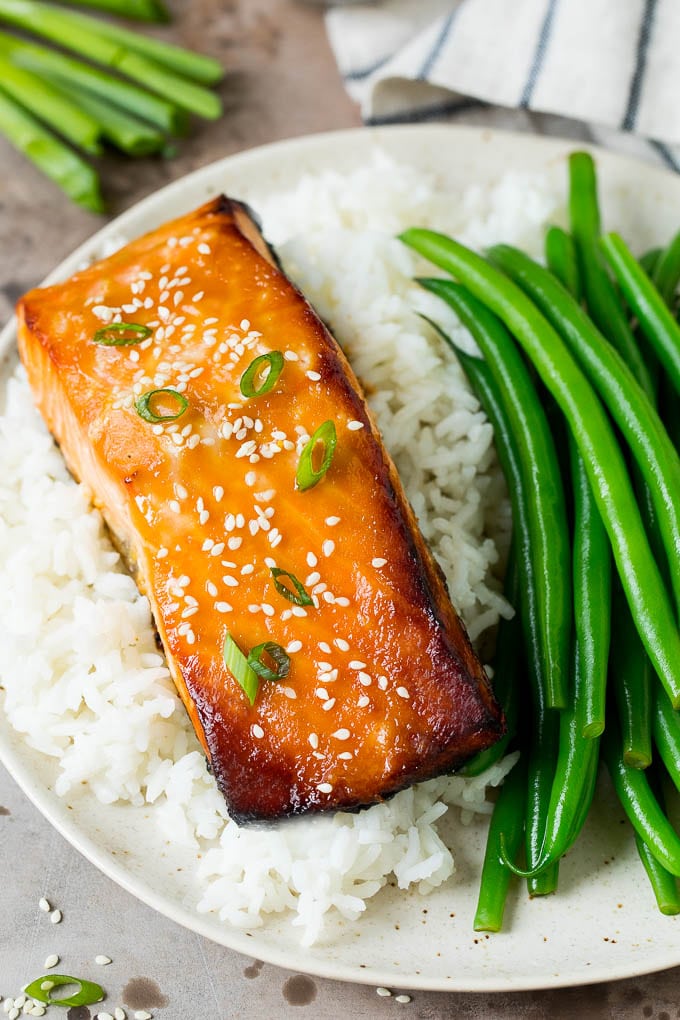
point(420, 704)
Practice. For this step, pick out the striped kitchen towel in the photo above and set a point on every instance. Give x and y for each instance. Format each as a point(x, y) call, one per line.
point(613, 65)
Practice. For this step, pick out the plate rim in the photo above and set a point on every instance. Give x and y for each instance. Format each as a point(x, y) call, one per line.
point(48, 803)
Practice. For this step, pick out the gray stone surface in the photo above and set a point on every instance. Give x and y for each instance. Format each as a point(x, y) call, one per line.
point(281, 82)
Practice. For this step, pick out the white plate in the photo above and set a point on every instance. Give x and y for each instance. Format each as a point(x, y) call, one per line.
point(603, 924)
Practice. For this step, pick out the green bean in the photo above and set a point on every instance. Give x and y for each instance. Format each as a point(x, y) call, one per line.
point(601, 298)
point(562, 260)
point(550, 550)
point(592, 599)
point(55, 159)
point(506, 662)
point(650, 260)
point(658, 460)
point(542, 740)
point(666, 733)
point(666, 271)
point(640, 804)
point(631, 681)
point(655, 318)
point(507, 821)
point(593, 433)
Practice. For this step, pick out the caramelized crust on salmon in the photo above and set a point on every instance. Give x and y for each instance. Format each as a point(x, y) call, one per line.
point(383, 687)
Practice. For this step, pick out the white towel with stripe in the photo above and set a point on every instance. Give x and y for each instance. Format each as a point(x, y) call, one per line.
point(611, 66)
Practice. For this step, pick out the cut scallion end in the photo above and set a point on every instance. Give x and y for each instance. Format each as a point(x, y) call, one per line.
point(153, 405)
point(41, 989)
point(122, 334)
point(238, 666)
point(49, 154)
point(307, 475)
point(254, 382)
point(277, 654)
point(129, 134)
point(298, 596)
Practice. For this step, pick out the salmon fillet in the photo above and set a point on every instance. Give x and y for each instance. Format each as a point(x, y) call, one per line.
point(243, 530)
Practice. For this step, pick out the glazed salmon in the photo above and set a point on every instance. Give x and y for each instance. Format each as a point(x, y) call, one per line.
point(228, 445)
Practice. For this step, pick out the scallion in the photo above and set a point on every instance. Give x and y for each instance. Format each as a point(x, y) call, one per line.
point(144, 408)
point(140, 10)
point(299, 597)
point(253, 373)
point(238, 666)
point(121, 334)
point(307, 475)
point(277, 654)
point(129, 134)
point(41, 989)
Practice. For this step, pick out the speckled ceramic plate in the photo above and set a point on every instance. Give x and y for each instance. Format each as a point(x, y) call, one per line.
point(603, 924)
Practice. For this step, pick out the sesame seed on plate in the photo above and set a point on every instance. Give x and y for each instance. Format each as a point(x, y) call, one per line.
point(103, 961)
point(51, 961)
point(44, 905)
point(383, 992)
point(378, 562)
point(56, 916)
point(402, 998)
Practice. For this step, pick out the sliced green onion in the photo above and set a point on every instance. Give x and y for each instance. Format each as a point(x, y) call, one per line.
point(307, 475)
point(299, 596)
point(278, 655)
point(141, 10)
point(87, 994)
point(238, 666)
point(121, 334)
point(145, 410)
point(254, 370)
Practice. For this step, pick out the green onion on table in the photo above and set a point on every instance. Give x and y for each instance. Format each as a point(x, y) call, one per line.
point(598, 328)
point(145, 95)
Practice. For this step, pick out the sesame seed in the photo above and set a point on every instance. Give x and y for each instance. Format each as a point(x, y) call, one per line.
point(56, 916)
point(267, 609)
point(332, 521)
point(207, 545)
point(402, 998)
point(324, 787)
point(313, 740)
point(365, 679)
point(378, 562)
point(104, 1016)
point(311, 559)
point(211, 588)
point(51, 961)
point(327, 705)
point(257, 731)
point(218, 492)
point(321, 692)
point(342, 601)
point(383, 992)
point(402, 692)
point(363, 701)
point(298, 611)
point(234, 542)
point(294, 646)
point(328, 547)
point(248, 568)
point(290, 356)
point(223, 607)
point(197, 296)
point(313, 577)
point(354, 426)
point(324, 647)
point(204, 248)
point(174, 506)
point(103, 961)
point(217, 549)
point(183, 581)
point(327, 595)
point(253, 608)
point(245, 325)
point(341, 644)
point(314, 376)
point(119, 1013)
point(269, 562)
point(382, 683)
point(346, 755)
point(342, 734)
point(141, 1014)
point(357, 664)
point(44, 905)
point(230, 581)
point(203, 516)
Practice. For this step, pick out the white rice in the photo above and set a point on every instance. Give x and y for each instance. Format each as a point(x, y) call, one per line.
point(83, 679)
